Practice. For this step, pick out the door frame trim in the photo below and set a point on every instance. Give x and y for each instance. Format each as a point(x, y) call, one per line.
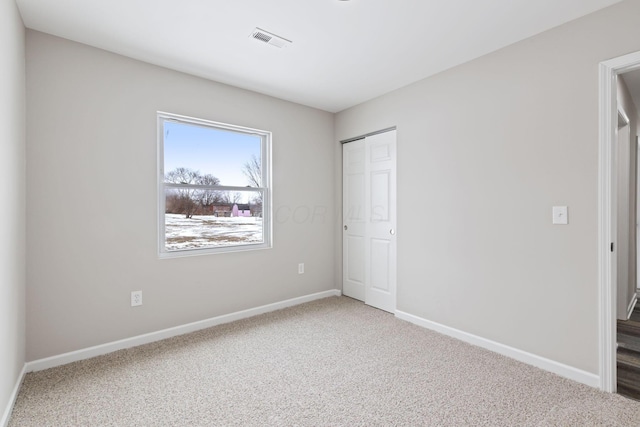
point(607, 227)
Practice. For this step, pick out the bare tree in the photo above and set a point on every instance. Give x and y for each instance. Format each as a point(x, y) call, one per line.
point(252, 169)
point(184, 198)
point(181, 203)
point(188, 201)
point(231, 197)
point(182, 176)
point(208, 197)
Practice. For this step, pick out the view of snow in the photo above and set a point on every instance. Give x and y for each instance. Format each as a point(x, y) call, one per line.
point(202, 231)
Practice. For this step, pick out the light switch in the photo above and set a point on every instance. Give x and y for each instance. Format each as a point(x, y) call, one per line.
point(560, 215)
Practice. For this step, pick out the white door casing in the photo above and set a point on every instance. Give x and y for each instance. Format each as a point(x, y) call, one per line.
point(369, 235)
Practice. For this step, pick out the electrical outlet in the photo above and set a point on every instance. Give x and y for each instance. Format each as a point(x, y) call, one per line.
point(301, 268)
point(136, 298)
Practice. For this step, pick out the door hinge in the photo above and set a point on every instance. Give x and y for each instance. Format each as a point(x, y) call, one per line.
point(611, 246)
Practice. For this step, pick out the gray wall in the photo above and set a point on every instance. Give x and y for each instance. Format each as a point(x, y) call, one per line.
point(12, 194)
point(484, 152)
point(91, 198)
point(627, 159)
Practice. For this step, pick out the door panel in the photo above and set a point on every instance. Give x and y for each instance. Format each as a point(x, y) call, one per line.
point(355, 209)
point(354, 218)
point(380, 152)
point(355, 251)
point(379, 196)
point(381, 280)
point(380, 250)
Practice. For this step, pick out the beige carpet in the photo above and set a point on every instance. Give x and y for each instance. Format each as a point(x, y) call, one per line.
point(333, 362)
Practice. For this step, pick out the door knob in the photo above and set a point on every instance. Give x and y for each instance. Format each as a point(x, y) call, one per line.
point(345, 228)
point(392, 231)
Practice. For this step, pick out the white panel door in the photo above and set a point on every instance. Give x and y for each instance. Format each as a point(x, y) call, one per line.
point(381, 199)
point(369, 242)
point(354, 227)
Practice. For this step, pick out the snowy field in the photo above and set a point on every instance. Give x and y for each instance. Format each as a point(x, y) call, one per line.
point(208, 230)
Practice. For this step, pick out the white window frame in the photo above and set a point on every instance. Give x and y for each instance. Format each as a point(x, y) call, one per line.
point(266, 189)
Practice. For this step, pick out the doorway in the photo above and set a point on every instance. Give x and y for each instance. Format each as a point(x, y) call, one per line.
point(369, 219)
point(608, 213)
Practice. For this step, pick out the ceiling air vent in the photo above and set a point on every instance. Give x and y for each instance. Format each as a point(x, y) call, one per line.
point(269, 38)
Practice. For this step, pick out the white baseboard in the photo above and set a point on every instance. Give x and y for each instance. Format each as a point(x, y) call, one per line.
point(563, 370)
point(632, 304)
point(4, 421)
point(63, 359)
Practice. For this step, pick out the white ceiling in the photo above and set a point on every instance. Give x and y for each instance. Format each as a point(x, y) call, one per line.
point(343, 52)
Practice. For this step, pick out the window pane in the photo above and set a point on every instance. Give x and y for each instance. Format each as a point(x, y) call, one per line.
point(214, 178)
point(195, 154)
point(229, 218)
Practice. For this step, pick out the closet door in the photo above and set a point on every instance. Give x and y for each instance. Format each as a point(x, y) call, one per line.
point(369, 229)
point(354, 223)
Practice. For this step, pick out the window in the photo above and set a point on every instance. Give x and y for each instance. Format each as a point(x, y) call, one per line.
point(214, 189)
